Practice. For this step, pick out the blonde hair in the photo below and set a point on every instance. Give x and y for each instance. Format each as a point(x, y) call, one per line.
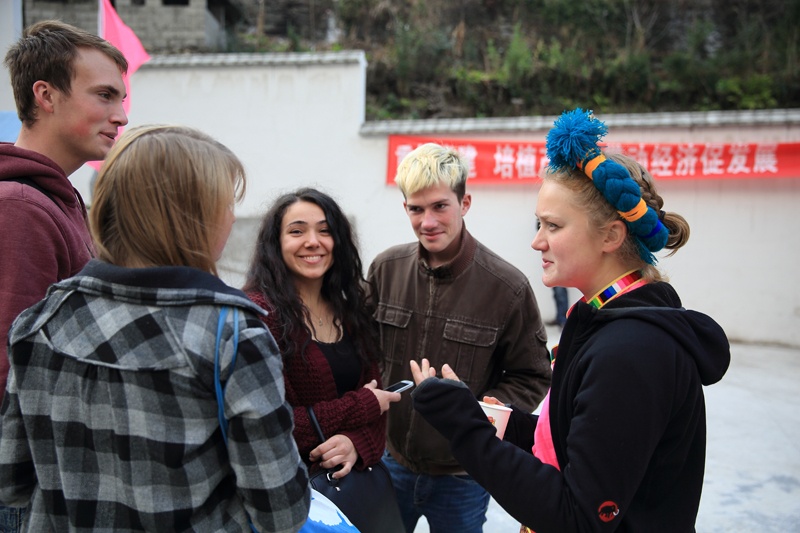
point(601, 213)
point(161, 196)
point(430, 165)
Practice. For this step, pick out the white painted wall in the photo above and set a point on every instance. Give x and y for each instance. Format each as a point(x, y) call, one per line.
point(297, 122)
point(10, 31)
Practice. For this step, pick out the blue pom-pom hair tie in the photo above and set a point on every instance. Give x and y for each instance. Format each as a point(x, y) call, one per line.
point(572, 144)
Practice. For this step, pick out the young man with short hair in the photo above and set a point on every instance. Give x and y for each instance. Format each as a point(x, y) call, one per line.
point(68, 90)
point(450, 299)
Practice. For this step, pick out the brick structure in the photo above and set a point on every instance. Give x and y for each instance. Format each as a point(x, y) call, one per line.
point(161, 25)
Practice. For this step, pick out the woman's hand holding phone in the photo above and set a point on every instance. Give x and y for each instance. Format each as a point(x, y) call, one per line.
point(385, 398)
point(400, 386)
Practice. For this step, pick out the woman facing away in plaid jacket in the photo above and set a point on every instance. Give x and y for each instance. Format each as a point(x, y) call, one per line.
point(110, 414)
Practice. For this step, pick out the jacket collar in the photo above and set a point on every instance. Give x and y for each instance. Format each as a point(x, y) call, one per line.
point(462, 260)
point(162, 277)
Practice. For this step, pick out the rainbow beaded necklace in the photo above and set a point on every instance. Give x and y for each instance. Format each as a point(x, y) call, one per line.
point(625, 283)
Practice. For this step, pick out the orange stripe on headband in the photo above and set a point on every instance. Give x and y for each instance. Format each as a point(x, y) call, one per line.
point(593, 164)
point(636, 213)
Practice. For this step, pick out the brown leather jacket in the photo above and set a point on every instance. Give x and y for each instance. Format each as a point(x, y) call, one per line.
point(479, 315)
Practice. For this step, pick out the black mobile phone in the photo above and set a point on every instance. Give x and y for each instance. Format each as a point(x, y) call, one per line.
point(400, 386)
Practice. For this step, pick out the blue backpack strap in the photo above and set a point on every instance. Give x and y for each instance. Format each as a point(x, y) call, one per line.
point(219, 388)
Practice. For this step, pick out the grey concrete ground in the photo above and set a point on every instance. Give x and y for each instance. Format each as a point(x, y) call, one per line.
point(752, 481)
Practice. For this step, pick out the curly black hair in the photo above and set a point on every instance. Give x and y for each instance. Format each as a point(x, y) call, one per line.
point(343, 284)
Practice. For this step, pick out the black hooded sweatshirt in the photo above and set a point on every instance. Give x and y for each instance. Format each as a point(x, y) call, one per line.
point(627, 417)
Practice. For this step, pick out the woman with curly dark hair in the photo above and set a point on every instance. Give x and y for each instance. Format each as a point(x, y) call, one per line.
point(307, 273)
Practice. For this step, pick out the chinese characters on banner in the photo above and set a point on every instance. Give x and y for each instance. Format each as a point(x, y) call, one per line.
point(506, 162)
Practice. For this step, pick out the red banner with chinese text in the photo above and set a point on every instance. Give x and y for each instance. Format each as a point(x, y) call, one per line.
point(514, 161)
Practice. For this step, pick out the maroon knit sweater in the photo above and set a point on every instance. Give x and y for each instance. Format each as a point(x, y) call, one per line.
point(309, 382)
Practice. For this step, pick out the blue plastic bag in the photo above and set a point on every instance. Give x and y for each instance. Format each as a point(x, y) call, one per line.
point(325, 517)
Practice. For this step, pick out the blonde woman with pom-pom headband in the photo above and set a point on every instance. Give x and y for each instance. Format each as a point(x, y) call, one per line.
point(620, 441)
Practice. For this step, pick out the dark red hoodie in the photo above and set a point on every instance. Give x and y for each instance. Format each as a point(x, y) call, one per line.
point(44, 240)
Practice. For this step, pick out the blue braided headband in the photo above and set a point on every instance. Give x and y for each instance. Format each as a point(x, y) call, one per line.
point(572, 143)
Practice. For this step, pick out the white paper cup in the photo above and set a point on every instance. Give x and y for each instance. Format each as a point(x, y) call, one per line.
point(498, 415)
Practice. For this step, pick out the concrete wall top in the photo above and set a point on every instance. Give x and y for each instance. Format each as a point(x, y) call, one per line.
point(771, 117)
point(254, 60)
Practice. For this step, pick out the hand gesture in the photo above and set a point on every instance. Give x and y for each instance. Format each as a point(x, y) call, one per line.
point(423, 370)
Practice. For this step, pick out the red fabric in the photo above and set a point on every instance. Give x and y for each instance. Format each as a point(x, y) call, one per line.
point(309, 382)
point(44, 240)
point(543, 447)
point(112, 29)
point(520, 161)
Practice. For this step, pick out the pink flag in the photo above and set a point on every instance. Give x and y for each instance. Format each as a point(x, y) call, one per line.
point(112, 29)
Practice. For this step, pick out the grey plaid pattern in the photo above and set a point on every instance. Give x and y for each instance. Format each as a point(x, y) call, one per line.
point(110, 415)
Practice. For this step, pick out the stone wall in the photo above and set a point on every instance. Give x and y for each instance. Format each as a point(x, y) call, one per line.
point(159, 27)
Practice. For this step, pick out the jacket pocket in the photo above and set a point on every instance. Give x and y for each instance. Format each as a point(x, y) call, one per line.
point(471, 346)
point(394, 323)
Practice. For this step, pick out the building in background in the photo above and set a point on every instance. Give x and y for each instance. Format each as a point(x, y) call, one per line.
point(177, 26)
point(162, 25)
point(10, 30)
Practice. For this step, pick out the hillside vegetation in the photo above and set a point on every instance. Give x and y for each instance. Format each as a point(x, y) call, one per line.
point(495, 58)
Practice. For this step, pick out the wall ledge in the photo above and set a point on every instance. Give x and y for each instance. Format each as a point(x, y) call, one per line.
point(769, 117)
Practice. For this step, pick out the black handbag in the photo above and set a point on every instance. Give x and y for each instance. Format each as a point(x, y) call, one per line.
point(366, 496)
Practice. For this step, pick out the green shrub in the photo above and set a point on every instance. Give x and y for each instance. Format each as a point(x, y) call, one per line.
point(753, 92)
point(517, 64)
